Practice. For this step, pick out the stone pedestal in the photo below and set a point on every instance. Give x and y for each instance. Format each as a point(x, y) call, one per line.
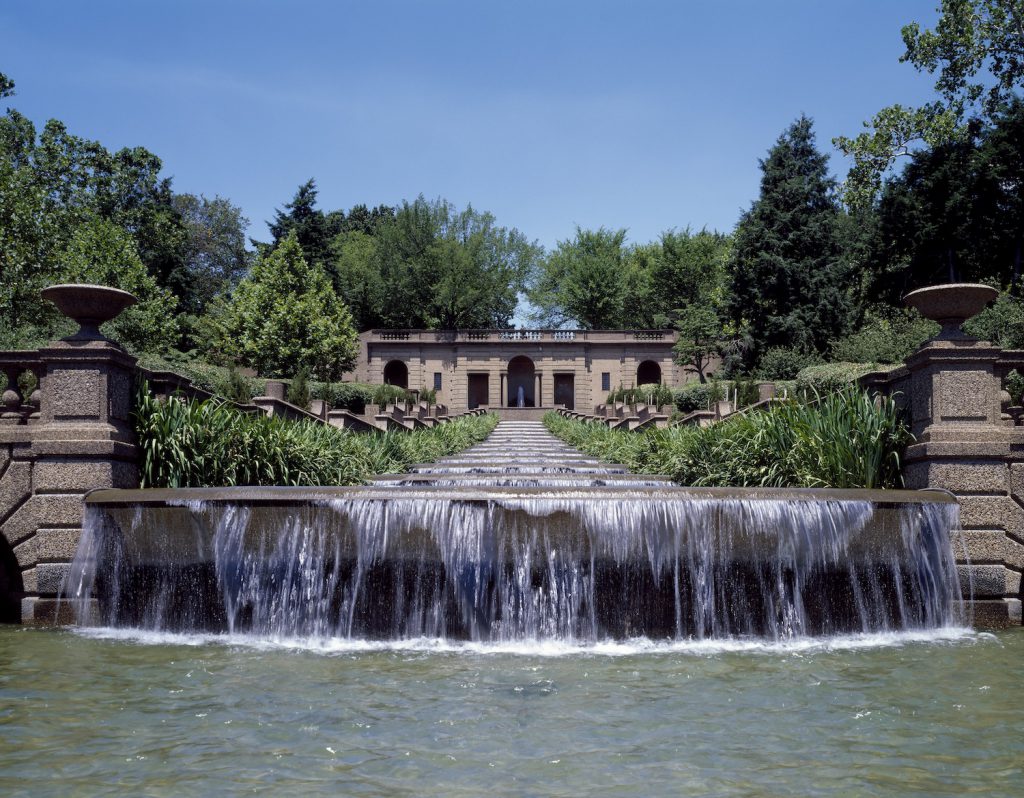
point(964, 447)
point(84, 441)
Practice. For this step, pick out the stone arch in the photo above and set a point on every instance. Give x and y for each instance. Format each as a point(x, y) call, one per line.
point(396, 373)
point(12, 588)
point(521, 373)
point(648, 373)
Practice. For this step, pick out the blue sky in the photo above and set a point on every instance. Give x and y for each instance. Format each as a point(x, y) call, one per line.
point(643, 115)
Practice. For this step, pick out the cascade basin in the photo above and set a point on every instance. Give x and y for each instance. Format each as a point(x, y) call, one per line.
point(497, 563)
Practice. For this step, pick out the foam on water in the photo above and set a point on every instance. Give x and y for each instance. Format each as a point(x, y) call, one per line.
point(952, 635)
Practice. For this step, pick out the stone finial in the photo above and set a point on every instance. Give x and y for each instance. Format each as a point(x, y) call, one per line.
point(951, 305)
point(89, 305)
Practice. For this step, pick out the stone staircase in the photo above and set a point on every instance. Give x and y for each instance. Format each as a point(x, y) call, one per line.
point(520, 454)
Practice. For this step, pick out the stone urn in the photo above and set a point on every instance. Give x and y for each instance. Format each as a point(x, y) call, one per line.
point(951, 305)
point(89, 305)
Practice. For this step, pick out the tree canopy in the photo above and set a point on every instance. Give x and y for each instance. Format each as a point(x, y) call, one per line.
point(977, 51)
point(285, 317)
point(790, 284)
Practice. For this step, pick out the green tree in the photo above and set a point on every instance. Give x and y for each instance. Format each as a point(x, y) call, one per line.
point(954, 213)
point(977, 48)
point(431, 265)
point(307, 222)
point(789, 279)
point(102, 253)
point(285, 317)
point(700, 338)
point(581, 282)
point(6, 86)
point(214, 253)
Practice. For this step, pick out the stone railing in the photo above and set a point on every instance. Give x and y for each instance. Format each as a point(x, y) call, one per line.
point(525, 336)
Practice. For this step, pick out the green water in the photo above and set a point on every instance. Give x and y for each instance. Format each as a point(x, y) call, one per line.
point(187, 716)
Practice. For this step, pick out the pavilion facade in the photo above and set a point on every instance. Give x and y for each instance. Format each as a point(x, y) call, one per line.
point(503, 368)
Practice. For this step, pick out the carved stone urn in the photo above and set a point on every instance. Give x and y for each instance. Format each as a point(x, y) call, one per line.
point(951, 305)
point(89, 305)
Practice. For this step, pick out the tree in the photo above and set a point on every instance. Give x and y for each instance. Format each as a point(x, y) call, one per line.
point(102, 253)
point(977, 47)
point(789, 280)
point(430, 265)
point(700, 337)
point(6, 86)
point(582, 281)
point(954, 213)
point(307, 222)
point(214, 253)
point(285, 317)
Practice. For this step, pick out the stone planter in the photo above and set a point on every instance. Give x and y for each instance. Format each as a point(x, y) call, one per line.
point(951, 305)
point(89, 305)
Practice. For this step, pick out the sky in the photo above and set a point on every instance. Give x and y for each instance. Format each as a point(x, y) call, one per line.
point(639, 115)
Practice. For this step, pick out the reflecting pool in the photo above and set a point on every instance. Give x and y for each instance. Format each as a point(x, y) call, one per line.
point(115, 712)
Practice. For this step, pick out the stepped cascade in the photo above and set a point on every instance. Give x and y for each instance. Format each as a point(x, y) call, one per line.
point(519, 537)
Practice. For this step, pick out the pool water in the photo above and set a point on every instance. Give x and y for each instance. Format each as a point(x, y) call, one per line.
point(112, 712)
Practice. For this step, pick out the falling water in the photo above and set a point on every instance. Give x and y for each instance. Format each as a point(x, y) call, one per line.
point(514, 552)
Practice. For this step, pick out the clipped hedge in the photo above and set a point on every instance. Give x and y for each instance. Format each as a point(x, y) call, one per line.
point(187, 443)
point(848, 439)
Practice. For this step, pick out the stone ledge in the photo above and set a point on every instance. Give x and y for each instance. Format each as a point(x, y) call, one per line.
point(987, 581)
point(105, 447)
point(81, 476)
point(47, 612)
point(992, 614)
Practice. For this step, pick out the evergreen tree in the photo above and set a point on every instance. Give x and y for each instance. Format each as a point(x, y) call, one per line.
point(285, 317)
point(789, 279)
point(309, 224)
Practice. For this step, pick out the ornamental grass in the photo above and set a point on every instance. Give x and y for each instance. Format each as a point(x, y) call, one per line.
point(847, 439)
point(199, 444)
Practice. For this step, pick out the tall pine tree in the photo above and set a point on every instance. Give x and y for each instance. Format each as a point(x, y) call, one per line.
point(789, 279)
point(309, 224)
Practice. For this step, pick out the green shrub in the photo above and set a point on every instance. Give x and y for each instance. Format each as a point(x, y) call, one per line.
point(887, 336)
point(351, 396)
point(298, 389)
point(1002, 323)
point(784, 363)
point(848, 439)
point(746, 392)
point(698, 396)
point(211, 444)
point(831, 377)
point(1014, 384)
point(234, 387)
point(652, 394)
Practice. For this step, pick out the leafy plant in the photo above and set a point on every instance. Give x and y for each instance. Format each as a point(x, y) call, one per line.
point(848, 439)
point(187, 443)
point(1014, 384)
point(298, 389)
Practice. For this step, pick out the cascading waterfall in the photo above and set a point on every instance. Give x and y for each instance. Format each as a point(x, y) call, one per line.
point(518, 554)
point(578, 568)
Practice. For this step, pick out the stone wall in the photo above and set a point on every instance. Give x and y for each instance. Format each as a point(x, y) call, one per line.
point(966, 444)
point(71, 437)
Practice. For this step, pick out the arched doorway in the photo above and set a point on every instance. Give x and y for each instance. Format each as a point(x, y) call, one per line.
point(396, 373)
point(648, 373)
point(521, 374)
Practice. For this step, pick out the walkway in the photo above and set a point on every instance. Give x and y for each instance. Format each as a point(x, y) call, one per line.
point(521, 454)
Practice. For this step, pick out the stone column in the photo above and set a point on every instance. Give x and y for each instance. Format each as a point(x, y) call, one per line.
point(84, 441)
point(963, 446)
point(503, 397)
point(538, 396)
